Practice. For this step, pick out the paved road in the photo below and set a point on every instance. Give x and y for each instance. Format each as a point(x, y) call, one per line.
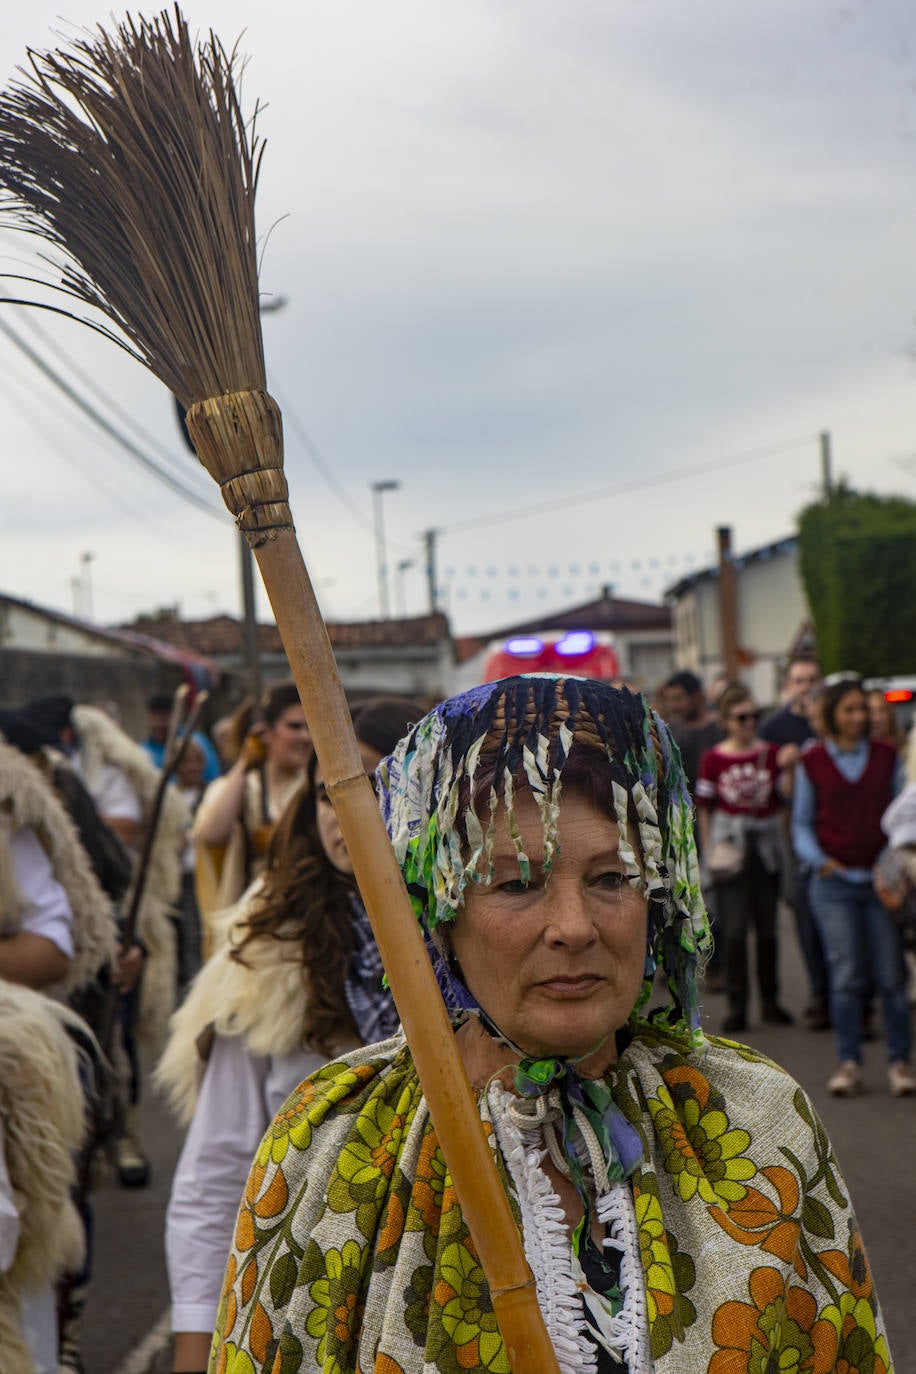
point(129, 1291)
point(874, 1137)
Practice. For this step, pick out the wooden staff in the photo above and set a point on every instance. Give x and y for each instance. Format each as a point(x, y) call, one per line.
point(130, 153)
point(175, 748)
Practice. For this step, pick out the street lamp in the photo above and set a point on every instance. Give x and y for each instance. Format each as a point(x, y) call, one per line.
point(86, 579)
point(378, 489)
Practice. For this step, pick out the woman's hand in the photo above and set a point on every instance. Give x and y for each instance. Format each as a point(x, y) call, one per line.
point(254, 749)
point(829, 867)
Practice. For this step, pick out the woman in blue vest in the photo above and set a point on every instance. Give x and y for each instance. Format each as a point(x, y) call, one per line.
point(843, 786)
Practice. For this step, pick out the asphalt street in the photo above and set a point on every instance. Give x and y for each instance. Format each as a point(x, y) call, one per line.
point(874, 1137)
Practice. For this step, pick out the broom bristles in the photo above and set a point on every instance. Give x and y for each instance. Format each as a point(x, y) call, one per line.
point(129, 153)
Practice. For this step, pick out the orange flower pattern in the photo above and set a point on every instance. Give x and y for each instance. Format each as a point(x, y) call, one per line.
point(352, 1255)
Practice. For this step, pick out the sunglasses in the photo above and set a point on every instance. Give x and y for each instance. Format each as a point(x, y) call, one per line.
point(744, 716)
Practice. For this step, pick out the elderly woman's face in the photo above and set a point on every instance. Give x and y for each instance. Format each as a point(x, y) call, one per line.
point(557, 963)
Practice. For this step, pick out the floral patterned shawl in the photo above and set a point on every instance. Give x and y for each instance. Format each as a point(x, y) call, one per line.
point(351, 1253)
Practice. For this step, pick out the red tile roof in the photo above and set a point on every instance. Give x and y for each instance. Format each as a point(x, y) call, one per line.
point(222, 634)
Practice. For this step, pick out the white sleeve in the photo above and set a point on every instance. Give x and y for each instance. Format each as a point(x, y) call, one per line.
point(47, 908)
point(229, 1120)
point(115, 796)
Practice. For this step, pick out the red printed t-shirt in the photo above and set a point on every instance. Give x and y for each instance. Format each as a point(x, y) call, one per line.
point(742, 784)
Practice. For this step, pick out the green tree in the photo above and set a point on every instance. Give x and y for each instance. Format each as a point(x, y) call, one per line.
point(857, 557)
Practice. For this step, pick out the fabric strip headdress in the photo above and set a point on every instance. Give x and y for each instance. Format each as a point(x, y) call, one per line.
point(442, 785)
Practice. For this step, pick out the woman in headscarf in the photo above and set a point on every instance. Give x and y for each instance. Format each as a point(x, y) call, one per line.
point(677, 1197)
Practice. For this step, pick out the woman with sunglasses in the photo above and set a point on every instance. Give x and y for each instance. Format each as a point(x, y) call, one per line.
point(739, 816)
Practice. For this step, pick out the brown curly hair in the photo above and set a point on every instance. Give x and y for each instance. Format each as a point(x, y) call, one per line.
point(305, 900)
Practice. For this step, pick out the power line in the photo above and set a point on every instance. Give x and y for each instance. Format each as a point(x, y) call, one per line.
point(313, 451)
point(324, 468)
point(147, 463)
point(182, 465)
point(87, 471)
point(661, 478)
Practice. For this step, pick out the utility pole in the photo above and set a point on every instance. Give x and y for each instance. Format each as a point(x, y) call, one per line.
point(429, 540)
point(728, 602)
point(826, 466)
point(381, 555)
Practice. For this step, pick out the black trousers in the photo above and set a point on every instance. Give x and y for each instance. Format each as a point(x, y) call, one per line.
point(742, 903)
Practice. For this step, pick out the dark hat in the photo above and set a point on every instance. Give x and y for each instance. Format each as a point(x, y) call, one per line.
point(18, 729)
point(50, 714)
point(160, 701)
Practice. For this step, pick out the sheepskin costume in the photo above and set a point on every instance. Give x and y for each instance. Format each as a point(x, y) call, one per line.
point(264, 999)
point(41, 1109)
point(103, 742)
point(28, 800)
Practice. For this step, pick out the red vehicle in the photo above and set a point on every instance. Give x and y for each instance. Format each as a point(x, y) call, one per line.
point(579, 653)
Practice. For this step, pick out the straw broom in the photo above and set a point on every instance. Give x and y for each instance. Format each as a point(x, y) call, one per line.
point(129, 154)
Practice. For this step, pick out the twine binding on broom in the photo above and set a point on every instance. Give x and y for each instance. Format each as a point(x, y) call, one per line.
point(246, 427)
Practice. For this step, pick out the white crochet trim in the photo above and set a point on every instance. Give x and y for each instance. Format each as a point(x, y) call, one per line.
point(630, 1328)
point(549, 1252)
point(546, 1238)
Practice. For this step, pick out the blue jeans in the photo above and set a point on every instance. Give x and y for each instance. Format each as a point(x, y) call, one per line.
point(859, 935)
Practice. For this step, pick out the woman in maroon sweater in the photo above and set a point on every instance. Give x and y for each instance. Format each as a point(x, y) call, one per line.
point(737, 800)
point(842, 788)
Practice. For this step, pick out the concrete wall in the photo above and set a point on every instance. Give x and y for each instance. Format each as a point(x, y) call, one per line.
point(89, 680)
point(646, 657)
point(412, 672)
point(771, 605)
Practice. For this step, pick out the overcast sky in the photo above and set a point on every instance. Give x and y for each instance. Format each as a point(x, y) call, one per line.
point(533, 252)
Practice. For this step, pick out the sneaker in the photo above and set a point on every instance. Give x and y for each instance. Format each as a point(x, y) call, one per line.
point(733, 1023)
point(131, 1163)
point(901, 1078)
point(775, 1014)
point(130, 1157)
point(847, 1081)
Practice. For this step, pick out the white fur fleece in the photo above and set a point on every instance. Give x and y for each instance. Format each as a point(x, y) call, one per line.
point(28, 800)
point(264, 999)
point(41, 1106)
point(103, 742)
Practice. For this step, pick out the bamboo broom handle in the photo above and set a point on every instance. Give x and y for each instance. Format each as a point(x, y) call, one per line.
point(239, 440)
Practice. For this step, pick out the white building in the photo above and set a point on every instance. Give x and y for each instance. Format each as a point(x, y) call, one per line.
point(772, 617)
